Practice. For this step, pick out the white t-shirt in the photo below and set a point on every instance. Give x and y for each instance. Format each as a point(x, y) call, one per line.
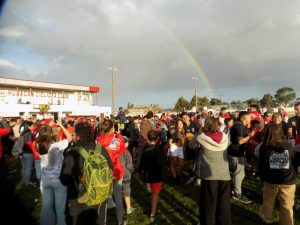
point(51, 163)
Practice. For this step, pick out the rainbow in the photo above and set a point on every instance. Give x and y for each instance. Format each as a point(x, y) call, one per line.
point(189, 55)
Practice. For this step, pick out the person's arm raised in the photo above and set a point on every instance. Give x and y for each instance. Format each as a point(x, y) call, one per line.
point(66, 132)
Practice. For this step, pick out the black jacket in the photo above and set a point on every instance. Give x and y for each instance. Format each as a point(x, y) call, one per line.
point(275, 165)
point(151, 164)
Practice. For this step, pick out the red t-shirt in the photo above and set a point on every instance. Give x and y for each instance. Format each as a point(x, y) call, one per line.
point(255, 116)
point(225, 116)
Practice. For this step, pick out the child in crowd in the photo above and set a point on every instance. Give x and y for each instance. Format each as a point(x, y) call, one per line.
point(151, 167)
point(126, 159)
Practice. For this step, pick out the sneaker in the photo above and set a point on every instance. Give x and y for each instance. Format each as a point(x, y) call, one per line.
point(241, 198)
point(157, 216)
point(189, 181)
point(152, 218)
point(35, 201)
point(130, 210)
point(197, 183)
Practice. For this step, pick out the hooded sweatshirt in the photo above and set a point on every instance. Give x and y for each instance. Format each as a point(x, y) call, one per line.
point(115, 146)
point(275, 164)
point(212, 163)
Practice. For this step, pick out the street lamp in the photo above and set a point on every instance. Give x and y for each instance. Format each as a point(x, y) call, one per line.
point(196, 102)
point(113, 70)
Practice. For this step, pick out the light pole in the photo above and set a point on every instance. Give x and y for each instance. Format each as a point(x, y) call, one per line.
point(196, 102)
point(113, 70)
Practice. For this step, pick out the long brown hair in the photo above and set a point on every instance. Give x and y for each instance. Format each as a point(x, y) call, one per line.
point(44, 139)
point(106, 126)
point(211, 125)
point(273, 135)
point(275, 115)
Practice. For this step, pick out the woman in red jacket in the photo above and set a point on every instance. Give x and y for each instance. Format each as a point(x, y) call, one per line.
point(115, 145)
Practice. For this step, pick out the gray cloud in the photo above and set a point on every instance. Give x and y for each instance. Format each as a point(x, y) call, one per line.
point(237, 44)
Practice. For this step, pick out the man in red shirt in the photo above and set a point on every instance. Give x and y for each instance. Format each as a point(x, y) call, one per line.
point(223, 114)
point(283, 113)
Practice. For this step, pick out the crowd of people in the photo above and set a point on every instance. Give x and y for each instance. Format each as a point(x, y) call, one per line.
point(217, 150)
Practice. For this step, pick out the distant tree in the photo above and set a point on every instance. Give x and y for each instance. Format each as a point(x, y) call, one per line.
point(234, 102)
point(275, 103)
point(266, 101)
point(193, 101)
point(130, 106)
point(215, 101)
point(182, 105)
point(252, 101)
point(285, 95)
point(203, 102)
point(156, 108)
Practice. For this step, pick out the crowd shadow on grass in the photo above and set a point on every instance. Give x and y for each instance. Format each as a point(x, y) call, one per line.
point(243, 216)
point(187, 215)
point(173, 210)
point(13, 211)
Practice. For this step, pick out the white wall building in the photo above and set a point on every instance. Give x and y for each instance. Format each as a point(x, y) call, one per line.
point(26, 97)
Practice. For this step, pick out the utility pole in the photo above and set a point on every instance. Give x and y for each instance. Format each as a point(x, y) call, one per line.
point(196, 98)
point(113, 70)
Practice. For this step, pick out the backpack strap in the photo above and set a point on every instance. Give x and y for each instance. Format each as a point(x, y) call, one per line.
point(98, 149)
point(82, 151)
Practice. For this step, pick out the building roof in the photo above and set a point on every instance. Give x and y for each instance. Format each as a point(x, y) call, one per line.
point(47, 85)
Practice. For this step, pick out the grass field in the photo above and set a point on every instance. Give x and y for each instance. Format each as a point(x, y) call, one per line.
point(178, 204)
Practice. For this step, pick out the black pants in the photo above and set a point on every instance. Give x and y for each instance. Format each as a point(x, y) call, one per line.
point(89, 215)
point(214, 202)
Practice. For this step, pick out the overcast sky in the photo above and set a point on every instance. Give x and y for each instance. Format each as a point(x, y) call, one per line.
point(237, 49)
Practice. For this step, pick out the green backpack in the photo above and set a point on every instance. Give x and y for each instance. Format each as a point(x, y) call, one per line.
point(96, 181)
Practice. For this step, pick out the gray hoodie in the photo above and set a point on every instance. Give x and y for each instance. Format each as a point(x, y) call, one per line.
point(212, 160)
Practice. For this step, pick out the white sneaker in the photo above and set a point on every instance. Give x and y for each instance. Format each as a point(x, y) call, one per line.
point(189, 181)
point(130, 210)
point(197, 183)
point(152, 218)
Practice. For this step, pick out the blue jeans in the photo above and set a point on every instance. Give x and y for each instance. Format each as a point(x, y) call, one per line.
point(38, 169)
point(27, 162)
point(53, 194)
point(117, 192)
